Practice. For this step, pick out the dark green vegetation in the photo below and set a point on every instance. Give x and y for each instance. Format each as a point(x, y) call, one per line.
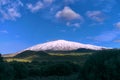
point(100, 65)
point(28, 56)
point(103, 65)
point(29, 53)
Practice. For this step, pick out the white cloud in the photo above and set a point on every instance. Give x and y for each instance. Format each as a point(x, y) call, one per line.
point(12, 12)
point(36, 7)
point(67, 14)
point(96, 16)
point(73, 24)
point(117, 24)
point(9, 9)
point(39, 5)
point(76, 24)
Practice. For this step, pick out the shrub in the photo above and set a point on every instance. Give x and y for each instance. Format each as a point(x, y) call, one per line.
point(6, 71)
point(20, 70)
point(1, 58)
point(53, 69)
point(102, 65)
point(59, 69)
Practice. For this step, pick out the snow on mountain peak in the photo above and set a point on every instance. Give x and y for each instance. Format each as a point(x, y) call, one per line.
point(62, 45)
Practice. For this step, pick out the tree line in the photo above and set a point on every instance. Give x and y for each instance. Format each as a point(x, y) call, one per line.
point(101, 65)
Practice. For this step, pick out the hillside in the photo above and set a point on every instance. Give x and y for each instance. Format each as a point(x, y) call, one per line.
point(29, 53)
point(40, 56)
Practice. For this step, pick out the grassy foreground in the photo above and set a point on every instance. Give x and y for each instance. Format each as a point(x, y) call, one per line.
point(78, 58)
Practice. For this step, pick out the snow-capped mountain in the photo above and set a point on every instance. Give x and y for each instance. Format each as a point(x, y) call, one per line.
point(63, 45)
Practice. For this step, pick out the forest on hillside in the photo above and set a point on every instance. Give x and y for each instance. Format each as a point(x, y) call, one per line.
point(101, 65)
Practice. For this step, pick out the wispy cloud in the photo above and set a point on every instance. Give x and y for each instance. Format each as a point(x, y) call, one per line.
point(69, 15)
point(107, 36)
point(36, 7)
point(73, 24)
point(117, 25)
point(97, 16)
point(11, 14)
point(9, 9)
point(39, 5)
point(4, 31)
point(117, 40)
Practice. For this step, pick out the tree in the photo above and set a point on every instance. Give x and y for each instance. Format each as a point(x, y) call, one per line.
point(102, 65)
point(1, 58)
point(20, 70)
point(6, 71)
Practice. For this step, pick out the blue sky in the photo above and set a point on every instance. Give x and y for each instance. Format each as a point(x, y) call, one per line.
point(24, 23)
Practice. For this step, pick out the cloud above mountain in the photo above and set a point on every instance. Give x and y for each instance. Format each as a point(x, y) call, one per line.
point(11, 10)
point(97, 16)
point(69, 15)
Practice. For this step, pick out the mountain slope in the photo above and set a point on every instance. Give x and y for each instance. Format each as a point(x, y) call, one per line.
point(32, 54)
point(63, 45)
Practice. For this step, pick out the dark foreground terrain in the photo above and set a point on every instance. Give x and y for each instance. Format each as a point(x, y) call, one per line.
point(99, 65)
